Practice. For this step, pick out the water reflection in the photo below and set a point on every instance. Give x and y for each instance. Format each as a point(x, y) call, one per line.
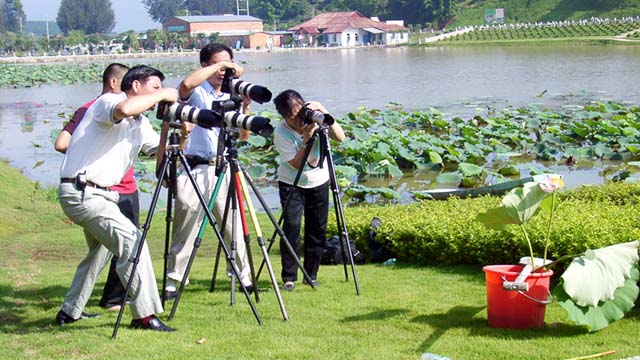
point(458, 81)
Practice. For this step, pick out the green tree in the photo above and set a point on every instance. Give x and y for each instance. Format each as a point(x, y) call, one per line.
point(132, 41)
point(157, 37)
point(74, 37)
point(163, 10)
point(90, 16)
point(12, 15)
point(211, 7)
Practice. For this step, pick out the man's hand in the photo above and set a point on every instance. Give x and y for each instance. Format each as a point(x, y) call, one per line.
point(169, 95)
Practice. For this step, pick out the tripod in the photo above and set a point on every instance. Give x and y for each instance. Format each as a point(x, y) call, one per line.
point(172, 156)
point(325, 153)
point(237, 195)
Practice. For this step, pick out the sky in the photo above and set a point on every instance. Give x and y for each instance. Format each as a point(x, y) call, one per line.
point(129, 14)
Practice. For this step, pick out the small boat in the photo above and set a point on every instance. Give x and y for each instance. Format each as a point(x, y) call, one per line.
point(493, 190)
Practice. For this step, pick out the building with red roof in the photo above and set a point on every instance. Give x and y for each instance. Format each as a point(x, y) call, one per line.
point(237, 31)
point(347, 29)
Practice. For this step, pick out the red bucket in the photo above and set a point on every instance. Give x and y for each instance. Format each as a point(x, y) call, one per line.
point(516, 309)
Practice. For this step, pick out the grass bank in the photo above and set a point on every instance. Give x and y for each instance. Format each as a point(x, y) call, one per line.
point(403, 311)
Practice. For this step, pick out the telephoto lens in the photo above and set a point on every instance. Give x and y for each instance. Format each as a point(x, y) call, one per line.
point(314, 116)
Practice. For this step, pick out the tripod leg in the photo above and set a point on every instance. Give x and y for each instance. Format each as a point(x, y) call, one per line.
point(234, 245)
point(211, 219)
point(136, 259)
point(245, 229)
point(277, 231)
point(168, 220)
point(215, 269)
point(260, 239)
point(337, 204)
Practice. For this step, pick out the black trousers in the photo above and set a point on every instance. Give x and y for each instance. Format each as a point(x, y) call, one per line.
point(314, 202)
point(113, 291)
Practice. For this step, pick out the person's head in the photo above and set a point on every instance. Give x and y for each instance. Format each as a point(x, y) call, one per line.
point(112, 77)
point(288, 104)
point(142, 80)
point(211, 50)
point(212, 54)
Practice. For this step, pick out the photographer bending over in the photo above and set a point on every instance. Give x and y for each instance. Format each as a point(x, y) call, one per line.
point(311, 193)
point(113, 291)
point(102, 149)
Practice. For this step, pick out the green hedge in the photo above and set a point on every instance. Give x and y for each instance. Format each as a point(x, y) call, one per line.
point(445, 232)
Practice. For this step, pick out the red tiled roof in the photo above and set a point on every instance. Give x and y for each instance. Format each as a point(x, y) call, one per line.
point(337, 22)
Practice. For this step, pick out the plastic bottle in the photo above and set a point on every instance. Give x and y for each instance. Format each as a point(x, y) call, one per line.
point(389, 262)
point(432, 356)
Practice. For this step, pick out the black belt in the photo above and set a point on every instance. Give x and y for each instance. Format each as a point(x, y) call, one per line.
point(194, 161)
point(88, 183)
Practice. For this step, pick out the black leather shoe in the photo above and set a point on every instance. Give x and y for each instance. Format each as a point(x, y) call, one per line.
point(62, 317)
point(154, 324)
point(251, 288)
point(169, 295)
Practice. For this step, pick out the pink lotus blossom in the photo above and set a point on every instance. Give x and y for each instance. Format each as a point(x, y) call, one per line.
point(551, 183)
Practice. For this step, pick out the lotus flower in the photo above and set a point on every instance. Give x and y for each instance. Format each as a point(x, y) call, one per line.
point(599, 286)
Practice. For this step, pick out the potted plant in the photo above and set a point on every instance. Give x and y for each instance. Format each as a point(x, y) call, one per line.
point(598, 287)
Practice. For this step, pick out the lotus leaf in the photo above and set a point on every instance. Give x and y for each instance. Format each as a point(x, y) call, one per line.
point(594, 277)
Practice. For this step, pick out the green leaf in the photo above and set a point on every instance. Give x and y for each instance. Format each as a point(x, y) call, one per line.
point(435, 158)
point(470, 169)
point(598, 317)
point(594, 277)
point(449, 178)
point(257, 141)
point(257, 171)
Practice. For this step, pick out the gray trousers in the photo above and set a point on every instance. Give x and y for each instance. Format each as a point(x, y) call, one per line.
point(107, 232)
point(188, 218)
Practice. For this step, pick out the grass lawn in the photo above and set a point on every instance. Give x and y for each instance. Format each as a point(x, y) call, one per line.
point(402, 312)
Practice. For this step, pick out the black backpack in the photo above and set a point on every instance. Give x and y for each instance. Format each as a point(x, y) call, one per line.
point(332, 254)
point(377, 252)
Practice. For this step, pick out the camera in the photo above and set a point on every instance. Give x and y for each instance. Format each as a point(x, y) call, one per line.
point(254, 92)
point(209, 118)
point(309, 116)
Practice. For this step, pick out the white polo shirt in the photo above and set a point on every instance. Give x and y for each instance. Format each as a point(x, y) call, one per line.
point(288, 142)
point(104, 149)
point(204, 142)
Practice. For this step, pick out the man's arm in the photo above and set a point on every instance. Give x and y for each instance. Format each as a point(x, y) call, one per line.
point(138, 104)
point(246, 109)
point(62, 141)
point(201, 75)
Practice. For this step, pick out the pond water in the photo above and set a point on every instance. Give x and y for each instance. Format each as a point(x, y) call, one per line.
point(459, 81)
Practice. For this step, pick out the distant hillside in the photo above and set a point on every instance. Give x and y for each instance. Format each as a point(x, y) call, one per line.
point(471, 12)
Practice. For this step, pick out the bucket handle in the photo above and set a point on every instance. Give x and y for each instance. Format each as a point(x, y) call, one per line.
point(546, 301)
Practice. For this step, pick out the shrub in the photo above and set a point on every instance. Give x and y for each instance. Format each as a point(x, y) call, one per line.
point(446, 232)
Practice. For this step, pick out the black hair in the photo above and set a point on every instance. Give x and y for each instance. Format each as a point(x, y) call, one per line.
point(285, 100)
point(211, 49)
point(114, 70)
point(140, 73)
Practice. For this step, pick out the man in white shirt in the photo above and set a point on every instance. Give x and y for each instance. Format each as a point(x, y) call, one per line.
point(102, 149)
point(200, 89)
